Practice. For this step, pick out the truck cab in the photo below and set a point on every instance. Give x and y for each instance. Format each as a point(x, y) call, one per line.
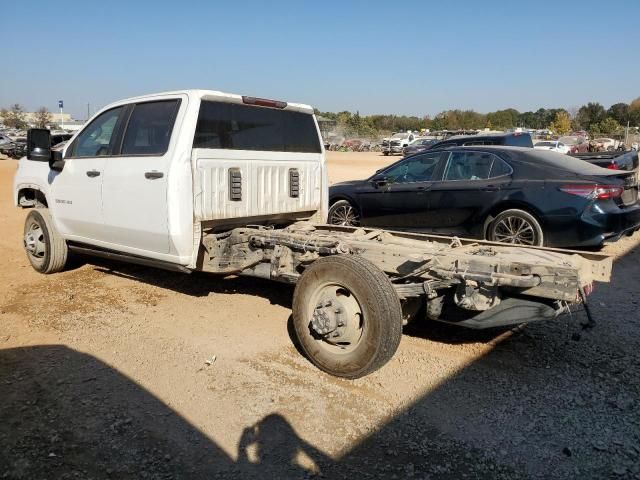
point(145, 175)
point(397, 142)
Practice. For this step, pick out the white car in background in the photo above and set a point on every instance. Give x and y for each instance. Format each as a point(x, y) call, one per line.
point(608, 144)
point(552, 145)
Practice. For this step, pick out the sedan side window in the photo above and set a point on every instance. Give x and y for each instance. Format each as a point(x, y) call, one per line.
point(96, 140)
point(468, 166)
point(415, 169)
point(500, 168)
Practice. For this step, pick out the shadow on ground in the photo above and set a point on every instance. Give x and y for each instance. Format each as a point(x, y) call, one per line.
point(545, 404)
point(196, 284)
point(65, 414)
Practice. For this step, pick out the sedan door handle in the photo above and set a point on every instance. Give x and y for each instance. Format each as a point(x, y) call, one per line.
point(93, 173)
point(153, 175)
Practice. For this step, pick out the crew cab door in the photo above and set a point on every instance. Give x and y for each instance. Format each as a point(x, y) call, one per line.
point(77, 189)
point(134, 189)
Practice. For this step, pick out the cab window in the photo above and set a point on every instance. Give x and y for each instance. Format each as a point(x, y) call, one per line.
point(149, 128)
point(98, 138)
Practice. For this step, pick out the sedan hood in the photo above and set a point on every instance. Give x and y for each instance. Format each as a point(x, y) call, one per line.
point(350, 183)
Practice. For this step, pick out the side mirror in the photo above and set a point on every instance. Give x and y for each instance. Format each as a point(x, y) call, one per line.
point(39, 144)
point(56, 162)
point(379, 181)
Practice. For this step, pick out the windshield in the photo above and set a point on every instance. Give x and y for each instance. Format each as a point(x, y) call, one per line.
point(399, 135)
point(545, 144)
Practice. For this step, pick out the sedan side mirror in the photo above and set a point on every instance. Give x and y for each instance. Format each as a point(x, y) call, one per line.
point(39, 144)
point(380, 181)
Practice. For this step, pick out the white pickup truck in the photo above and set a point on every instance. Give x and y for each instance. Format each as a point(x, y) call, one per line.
point(230, 184)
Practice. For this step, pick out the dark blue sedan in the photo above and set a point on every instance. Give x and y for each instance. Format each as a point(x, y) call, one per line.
point(505, 194)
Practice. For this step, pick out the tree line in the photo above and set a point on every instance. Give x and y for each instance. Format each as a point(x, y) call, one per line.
point(592, 117)
point(15, 117)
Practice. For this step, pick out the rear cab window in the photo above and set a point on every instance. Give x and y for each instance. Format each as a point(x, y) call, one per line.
point(233, 126)
point(519, 140)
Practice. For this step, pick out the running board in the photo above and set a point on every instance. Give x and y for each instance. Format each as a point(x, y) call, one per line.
point(125, 257)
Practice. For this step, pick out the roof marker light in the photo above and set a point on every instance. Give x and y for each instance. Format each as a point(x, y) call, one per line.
point(263, 102)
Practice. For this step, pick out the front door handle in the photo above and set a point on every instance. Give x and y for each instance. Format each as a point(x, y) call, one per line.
point(93, 173)
point(153, 175)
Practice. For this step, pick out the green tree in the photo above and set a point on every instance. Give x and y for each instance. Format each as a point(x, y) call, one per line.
point(561, 124)
point(619, 112)
point(14, 117)
point(42, 117)
point(608, 126)
point(590, 114)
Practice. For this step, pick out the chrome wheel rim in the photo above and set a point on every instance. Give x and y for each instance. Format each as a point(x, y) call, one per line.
point(345, 215)
point(515, 230)
point(34, 242)
point(337, 322)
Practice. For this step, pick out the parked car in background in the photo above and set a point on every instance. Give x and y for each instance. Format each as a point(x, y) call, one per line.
point(4, 139)
point(616, 160)
point(512, 139)
point(418, 145)
point(57, 138)
point(576, 144)
point(17, 147)
point(580, 133)
point(505, 194)
point(552, 145)
point(606, 144)
point(397, 142)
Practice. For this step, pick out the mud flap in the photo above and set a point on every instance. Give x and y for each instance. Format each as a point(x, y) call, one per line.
point(511, 311)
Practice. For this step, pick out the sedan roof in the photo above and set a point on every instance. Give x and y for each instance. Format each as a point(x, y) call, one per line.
point(547, 157)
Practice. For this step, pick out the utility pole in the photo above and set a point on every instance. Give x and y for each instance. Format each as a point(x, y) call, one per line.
point(626, 133)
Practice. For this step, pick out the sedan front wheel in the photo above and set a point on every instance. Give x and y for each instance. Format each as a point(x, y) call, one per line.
point(343, 213)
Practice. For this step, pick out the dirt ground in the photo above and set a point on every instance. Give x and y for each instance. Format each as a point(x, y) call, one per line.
point(110, 370)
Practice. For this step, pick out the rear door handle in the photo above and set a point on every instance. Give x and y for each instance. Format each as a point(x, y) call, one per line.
point(93, 173)
point(153, 175)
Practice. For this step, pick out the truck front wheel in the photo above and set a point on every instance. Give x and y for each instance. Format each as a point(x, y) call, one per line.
point(46, 249)
point(347, 316)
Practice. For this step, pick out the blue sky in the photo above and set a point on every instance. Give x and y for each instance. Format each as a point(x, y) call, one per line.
point(376, 57)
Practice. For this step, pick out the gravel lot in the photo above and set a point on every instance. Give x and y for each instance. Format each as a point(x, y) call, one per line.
point(116, 371)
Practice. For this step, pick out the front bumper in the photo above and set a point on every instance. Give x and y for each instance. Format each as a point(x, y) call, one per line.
point(392, 149)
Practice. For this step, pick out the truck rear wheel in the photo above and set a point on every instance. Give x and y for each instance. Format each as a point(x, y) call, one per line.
point(347, 316)
point(46, 249)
